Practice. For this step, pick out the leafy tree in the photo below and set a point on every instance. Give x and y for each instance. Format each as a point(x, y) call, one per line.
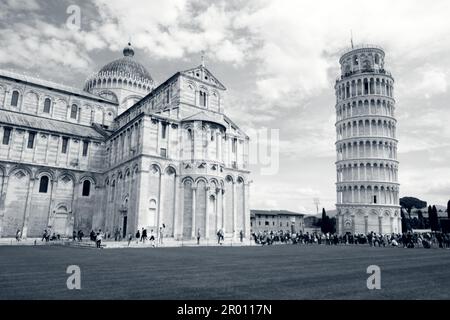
point(410, 202)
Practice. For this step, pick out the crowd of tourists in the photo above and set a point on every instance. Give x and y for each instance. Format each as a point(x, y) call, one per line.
point(372, 239)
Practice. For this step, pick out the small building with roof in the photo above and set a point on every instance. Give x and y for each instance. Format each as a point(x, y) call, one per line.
point(276, 220)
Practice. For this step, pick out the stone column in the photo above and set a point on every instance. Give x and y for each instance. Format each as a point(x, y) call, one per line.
point(52, 182)
point(366, 224)
point(207, 212)
point(353, 224)
point(380, 225)
point(222, 209)
point(75, 202)
point(218, 194)
point(246, 197)
point(194, 189)
point(27, 207)
point(234, 209)
point(3, 190)
point(392, 224)
point(160, 203)
point(5, 98)
point(178, 212)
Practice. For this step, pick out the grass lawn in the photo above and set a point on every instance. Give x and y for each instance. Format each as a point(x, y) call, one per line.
point(277, 272)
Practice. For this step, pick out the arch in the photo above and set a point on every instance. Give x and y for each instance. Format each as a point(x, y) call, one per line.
point(155, 168)
point(170, 169)
point(20, 167)
point(67, 174)
point(41, 172)
point(88, 177)
point(240, 179)
point(229, 178)
point(201, 179)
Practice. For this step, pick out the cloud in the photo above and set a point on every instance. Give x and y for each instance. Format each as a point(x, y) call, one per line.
point(172, 28)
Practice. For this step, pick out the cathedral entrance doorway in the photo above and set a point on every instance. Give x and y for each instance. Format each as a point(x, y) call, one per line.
point(60, 222)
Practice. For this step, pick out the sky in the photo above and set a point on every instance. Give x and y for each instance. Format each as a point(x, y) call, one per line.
point(278, 60)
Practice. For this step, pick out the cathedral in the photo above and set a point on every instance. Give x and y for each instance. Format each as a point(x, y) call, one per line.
point(122, 154)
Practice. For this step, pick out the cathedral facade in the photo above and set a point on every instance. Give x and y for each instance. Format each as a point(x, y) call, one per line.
point(121, 154)
point(367, 166)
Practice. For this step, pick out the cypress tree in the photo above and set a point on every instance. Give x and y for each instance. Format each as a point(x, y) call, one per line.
point(324, 223)
point(448, 209)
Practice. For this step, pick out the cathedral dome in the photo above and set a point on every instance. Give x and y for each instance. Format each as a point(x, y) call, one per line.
point(125, 72)
point(127, 66)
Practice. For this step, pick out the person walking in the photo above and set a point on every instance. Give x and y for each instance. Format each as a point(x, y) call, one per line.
point(130, 238)
point(144, 235)
point(152, 237)
point(241, 235)
point(44, 236)
point(99, 238)
point(218, 236)
point(138, 236)
point(198, 236)
point(18, 235)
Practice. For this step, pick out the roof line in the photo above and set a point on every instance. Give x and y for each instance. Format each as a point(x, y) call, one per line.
point(53, 86)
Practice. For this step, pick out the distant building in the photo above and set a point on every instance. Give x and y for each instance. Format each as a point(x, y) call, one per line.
point(276, 220)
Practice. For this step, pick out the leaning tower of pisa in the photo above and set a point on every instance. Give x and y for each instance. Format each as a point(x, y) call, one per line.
point(367, 166)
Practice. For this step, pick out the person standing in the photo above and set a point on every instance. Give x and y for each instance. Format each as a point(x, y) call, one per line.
point(198, 236)
point(144, 235)
point(161, 236)
point(130, 238)
point(241, 235)
point(18, 235)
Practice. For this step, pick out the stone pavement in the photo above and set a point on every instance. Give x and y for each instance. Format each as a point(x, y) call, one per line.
point(167, 242)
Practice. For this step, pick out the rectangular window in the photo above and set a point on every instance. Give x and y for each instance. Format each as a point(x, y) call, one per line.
point(85, 148)
point(203, 99)
point(168, 96)
point(6, 135)
point(163, 130)
point(234, 145)
point(375, 199)
point(163, 152)
point(267, 223)
point(31, 137)
point(65, 142)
